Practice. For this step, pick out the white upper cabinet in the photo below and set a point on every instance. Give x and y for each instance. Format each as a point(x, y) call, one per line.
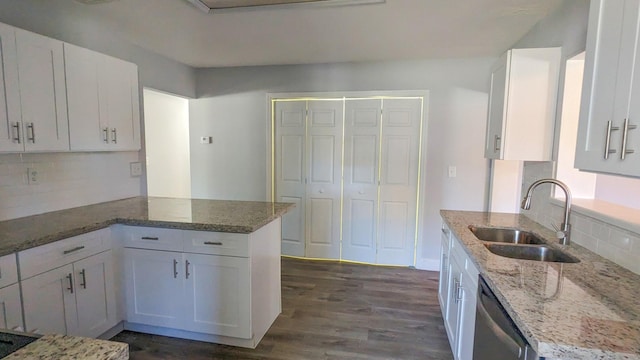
point(10, 127)
point(103, 100)
point(44, 124)
point(608, 133)
point(522, 105)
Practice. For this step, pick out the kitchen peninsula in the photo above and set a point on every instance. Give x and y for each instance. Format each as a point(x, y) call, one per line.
point(199, 269)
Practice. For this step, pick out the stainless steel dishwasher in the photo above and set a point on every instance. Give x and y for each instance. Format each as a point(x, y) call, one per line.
point(496, 336)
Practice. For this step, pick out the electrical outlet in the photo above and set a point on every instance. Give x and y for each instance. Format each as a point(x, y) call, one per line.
point(33, 176)
point(452, 171)
point(206, 140)
point(135, 169)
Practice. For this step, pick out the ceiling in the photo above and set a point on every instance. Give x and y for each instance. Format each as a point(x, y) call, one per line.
point(394, 30)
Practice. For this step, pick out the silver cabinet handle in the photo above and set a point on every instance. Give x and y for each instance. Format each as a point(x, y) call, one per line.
point(186, 266)
point(70, 278)
point(625, 133)
point(16, 127)
point(607, 141)
point(445, 230)
point(496, 143)
point(105, 135)
point(84, 279)
point(218, 243)
point(454, 291)
point(175, 268)
point(66, 252)
point(31, 138)
point(114, 135)
point(150, 238)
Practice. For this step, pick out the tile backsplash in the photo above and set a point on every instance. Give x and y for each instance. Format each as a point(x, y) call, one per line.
point(65, 180)
point(607, 240)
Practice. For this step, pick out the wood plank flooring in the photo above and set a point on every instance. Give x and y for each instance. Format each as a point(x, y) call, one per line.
point(332, 310)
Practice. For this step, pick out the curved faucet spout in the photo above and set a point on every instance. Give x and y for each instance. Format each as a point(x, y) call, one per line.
point(564, 233)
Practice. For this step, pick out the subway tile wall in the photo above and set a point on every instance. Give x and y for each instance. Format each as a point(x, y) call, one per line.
point(609, 241)
point(65, 180)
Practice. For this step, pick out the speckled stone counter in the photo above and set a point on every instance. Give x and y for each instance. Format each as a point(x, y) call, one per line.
point(587, 310)
point(186, 214)
point(62, 347)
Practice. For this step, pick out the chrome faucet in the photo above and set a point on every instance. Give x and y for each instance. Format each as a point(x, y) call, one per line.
point(563, 234)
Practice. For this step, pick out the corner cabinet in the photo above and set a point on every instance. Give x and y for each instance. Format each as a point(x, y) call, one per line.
point(103, 101)
point(209, 286)
point(522, 105)
point(34, 109)
point(457, 294)
point(609, 127)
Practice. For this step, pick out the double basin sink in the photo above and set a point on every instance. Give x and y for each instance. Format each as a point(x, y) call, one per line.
point(519, 244)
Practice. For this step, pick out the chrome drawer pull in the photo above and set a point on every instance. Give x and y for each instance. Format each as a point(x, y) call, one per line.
point(70, 277)
point(496, 143)
point(105, 135)
point(31, 138)
point(175, 268)
point(213, 243)
point(16, 139)
point(66, 252)
point(114, 135)
point(84, 279)
point(150, 238)
point(607, 142)
point(625, 133)
point(187, 263)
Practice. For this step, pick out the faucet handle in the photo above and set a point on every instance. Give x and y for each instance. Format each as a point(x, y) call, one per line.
point(559, 233)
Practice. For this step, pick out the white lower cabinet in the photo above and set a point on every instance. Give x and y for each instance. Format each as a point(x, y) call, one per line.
point(11, 308)
point(76, 295)
point(457, 293)
point(211, 286)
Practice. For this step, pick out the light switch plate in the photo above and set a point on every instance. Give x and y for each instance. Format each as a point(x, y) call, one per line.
point(33, 176)
point(206, 139)
point(452, 171)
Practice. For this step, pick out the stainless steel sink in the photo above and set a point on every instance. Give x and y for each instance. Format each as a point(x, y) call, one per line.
point(505, 235)
point(531, 252)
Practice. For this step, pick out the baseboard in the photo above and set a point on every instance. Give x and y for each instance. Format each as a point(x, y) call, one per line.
point(428, 264)
point(113, 331)
point(182, 334)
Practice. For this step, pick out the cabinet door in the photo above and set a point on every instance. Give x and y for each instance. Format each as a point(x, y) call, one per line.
point(361, 169)
point(443, 285)
point(610, 88)
point(42, 92)
point(120, 79)
point(11, 139)
point(290, 174)
point(154, 287)
point(88, 125)
point(218, 293)
point(324, 168)
point(467, 320)
point(400, 144)
point(11, 308)
point(497, 111)
point(49, 302)
point(453, 307)
point(95, 294)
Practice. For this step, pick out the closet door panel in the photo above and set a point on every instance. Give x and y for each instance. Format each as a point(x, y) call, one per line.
point(401, 119)
point(291, 172)
point(361, 165)
point(324, 154)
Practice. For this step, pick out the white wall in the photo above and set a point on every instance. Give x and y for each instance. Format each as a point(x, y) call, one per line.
point(233, 109)
point(66, 180)
point(166, 124)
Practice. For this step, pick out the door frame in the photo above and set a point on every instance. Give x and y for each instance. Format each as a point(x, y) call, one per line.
point(382, 94)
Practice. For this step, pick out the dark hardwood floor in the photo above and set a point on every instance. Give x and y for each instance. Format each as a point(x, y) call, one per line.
point(332, 310)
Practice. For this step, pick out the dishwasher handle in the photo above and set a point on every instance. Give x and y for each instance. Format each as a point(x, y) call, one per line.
point(496, 328)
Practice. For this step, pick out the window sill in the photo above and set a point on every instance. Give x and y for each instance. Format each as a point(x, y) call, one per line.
point(617, 215)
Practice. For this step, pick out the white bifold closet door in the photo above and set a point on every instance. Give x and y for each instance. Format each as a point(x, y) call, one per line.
point(358, 205)
point(309, 173)
point(382, 141)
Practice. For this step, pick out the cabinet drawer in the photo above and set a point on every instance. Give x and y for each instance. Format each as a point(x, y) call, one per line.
point(8, 270)
point(46, 257)
point(216, 243)
point(151, 238)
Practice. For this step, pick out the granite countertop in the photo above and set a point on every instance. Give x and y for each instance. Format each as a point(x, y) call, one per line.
point(587, 310)
point(63, 347)
point(187, 214)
